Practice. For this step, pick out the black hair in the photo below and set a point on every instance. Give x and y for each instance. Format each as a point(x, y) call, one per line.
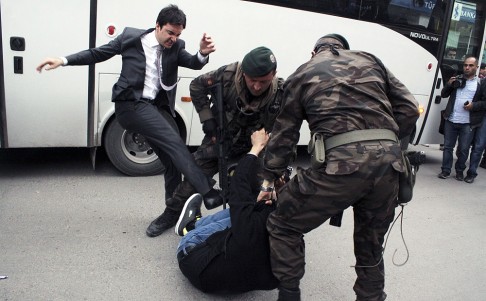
point(172, 15)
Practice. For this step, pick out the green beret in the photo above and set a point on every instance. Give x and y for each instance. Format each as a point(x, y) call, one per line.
point(259, 62)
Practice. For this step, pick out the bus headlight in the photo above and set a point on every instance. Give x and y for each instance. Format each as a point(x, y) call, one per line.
point(421, 109)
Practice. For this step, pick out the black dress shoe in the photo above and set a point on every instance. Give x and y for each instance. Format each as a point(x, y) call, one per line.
point(165, 221)
point(212, 199)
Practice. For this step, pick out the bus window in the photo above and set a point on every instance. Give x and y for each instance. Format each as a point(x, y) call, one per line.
point(413, 13)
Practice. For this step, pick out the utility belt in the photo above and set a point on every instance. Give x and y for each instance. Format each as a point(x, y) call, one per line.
point(318, 146)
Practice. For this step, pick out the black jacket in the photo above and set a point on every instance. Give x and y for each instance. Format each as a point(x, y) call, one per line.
point(238, 258)
point(479, 103)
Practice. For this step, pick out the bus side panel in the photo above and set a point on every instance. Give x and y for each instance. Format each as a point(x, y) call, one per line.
point(48, 109)
point(413, 65)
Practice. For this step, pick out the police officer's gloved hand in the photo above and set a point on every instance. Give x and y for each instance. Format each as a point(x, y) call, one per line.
point(210, 127)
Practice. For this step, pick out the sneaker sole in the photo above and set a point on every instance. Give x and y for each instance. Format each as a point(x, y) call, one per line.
point(183, 213)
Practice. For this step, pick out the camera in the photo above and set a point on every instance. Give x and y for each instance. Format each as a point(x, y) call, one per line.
point(416, 158)
point(459, 82)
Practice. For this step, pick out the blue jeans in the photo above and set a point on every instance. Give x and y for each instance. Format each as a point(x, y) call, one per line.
point(477, 150)
point(205, 227)
point(463, 134)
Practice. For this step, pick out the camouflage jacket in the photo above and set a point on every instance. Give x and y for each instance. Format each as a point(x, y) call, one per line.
point(338, 94)
point(235, 97)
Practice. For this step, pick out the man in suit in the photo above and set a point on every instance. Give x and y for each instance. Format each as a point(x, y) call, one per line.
point(147, 84)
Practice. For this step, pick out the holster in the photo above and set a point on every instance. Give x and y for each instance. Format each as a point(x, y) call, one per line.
point(317, 150)
point(406, 180)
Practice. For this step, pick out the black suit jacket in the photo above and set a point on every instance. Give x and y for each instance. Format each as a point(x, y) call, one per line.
point(131, 82)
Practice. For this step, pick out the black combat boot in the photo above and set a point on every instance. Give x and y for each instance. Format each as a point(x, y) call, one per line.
point(285, 294)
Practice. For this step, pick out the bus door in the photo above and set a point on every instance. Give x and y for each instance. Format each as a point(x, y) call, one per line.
point(465, 36)
point(49, 109)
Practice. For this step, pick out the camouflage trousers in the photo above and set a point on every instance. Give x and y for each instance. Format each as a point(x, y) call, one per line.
point(313, 196)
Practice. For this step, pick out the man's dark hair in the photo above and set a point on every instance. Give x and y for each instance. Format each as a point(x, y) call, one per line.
point(451, 49)
point(173, 15)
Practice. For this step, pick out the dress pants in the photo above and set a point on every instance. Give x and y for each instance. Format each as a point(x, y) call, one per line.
point(145, 119)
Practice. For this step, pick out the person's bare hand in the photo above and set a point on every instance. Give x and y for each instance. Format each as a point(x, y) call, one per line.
point(259, 138)
point(264, 196)
point(206, 46)
point(49, 64)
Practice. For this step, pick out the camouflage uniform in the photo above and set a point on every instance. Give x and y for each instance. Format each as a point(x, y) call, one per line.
point(338, 94)
point(244, 114)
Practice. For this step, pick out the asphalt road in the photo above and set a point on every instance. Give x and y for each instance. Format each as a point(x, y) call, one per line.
point(69, 232)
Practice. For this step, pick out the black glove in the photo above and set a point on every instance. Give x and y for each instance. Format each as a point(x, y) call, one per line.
point(209, 127)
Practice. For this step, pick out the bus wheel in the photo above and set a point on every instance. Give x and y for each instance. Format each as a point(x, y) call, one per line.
point(130, 153)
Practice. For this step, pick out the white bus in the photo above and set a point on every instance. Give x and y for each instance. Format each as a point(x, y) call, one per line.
point(71, 106)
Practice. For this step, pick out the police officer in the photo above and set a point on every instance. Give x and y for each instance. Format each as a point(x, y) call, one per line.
point(252, 97)
point(355, 109)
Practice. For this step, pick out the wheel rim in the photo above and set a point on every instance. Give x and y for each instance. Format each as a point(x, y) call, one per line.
point(136, 148)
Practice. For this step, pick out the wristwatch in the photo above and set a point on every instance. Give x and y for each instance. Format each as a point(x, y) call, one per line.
point(266, 188)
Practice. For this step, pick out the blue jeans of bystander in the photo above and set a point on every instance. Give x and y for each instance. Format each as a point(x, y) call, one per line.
point(477, 150)
point(463, 134)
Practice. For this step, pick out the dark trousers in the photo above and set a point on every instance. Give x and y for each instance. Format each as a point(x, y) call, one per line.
point(194, 263)
point(145, 119)
point(206, 157)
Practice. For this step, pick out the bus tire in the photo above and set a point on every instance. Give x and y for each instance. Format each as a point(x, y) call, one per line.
point(130, 153)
